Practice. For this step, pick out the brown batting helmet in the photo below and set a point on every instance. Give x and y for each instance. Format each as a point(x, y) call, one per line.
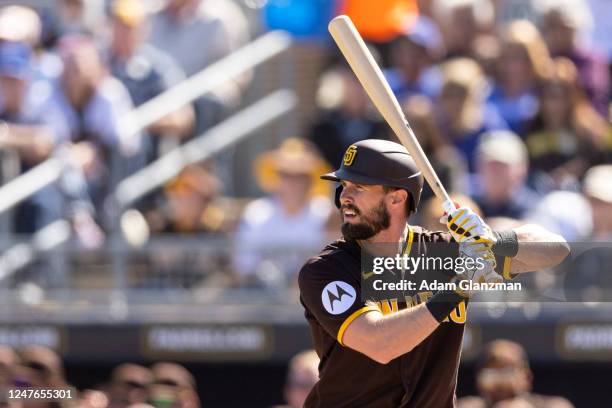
point(382, 162)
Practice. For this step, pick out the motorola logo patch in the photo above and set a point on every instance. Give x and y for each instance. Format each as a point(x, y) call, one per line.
point(338, 297)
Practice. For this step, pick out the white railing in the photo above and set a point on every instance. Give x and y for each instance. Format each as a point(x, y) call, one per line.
point(207, 80)
point(220, 137)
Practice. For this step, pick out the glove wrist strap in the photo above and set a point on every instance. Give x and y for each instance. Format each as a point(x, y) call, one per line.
point(443, 303)
point(507, 243)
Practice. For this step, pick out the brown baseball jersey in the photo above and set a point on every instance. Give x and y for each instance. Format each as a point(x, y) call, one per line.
point(330, 291)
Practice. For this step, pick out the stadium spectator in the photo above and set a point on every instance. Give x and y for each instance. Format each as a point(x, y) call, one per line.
point(25, 129)
point(597, 188)
point(90, 105)
point(461, 21)
point(524, 61)
point(504, 379)
point(500, 187)
point(40, 367)
point(568, 135)
point(145, 70)
point(486, 50)
point(77, 17)
point(346, 116)
point(193, 33)
point(192, 204)
point(129, 385)
point(462, 113)
point(412, 55)
point(302, 375)
point(562, 20)
point(448, 162)
point(268, 251)
point(8, 361)
point(173, 385)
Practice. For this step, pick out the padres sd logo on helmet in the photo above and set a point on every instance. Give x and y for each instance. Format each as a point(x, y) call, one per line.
point(349, 155)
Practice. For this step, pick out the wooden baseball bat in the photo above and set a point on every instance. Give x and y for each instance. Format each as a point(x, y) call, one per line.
point(371, 78)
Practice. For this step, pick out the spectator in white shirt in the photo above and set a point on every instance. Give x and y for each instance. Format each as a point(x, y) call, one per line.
point(278, 231)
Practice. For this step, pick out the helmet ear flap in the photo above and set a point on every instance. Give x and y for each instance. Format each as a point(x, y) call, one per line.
point(337, 196)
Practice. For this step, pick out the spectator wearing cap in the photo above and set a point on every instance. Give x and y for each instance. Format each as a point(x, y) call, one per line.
point(145, 70)
point(23, 24)
point(413, 55)
point(568, 135)
point(129, 385)
point(524, 62)
point(500, 187)
point(173, 386)
point(562, 20)
point(268, 251)
point(462, 113)
point(26, 129)
point(345, 117)
point(302, 375)
point(503, 378)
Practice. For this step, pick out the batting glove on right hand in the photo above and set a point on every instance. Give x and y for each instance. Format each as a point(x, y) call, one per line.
point(465, 225)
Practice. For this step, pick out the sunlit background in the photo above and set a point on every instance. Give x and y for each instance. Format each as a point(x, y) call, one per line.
point(160, 191)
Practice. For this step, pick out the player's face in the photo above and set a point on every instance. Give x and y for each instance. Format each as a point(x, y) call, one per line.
point(363, 210)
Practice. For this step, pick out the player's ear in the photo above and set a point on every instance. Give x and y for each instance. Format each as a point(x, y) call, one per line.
point(399, 196)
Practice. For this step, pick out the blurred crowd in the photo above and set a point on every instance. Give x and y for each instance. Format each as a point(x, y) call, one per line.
point(502, 373)
point(510, 99)
point(162, 384)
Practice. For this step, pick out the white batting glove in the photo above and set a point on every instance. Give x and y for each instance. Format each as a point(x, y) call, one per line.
point(465, 225)
point(480, 267)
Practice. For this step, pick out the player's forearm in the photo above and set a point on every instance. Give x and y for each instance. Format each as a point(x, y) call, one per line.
point(383, 338)
point(538, 248)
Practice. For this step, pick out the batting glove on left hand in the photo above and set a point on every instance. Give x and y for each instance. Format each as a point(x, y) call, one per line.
point(481, 267)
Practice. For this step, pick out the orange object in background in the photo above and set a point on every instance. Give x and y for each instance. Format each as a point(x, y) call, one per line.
point(380, 20)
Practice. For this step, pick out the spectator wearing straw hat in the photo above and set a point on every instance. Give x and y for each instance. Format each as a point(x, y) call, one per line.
point(277, 231)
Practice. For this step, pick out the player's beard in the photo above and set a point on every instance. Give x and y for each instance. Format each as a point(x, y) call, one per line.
point(376, 220)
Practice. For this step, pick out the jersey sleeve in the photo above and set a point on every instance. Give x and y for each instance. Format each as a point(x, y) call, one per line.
point(331, 296)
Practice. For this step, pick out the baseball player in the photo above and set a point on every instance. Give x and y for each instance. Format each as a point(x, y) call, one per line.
point(398, 352)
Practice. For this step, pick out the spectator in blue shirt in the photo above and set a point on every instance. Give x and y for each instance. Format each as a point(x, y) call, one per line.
point(462, 113)
point(412, 56)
